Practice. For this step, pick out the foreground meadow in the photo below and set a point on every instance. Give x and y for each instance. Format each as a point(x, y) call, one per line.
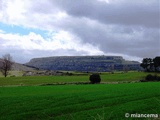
point(79, 102)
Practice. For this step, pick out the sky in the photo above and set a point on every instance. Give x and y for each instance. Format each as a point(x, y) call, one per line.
point(43, 28)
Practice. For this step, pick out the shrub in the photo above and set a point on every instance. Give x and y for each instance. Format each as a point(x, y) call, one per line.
point(157, 78)
point(152, 78)
point(95, 78)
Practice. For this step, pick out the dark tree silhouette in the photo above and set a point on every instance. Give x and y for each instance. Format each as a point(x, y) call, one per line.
point(147, 64)
point(151, 65)
point(156, 62)
point(6, 64)
point(95, 78)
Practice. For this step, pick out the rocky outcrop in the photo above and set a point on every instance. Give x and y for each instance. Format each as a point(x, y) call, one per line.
point(84, 63)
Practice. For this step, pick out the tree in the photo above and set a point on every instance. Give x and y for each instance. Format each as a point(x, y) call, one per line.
point(151, 65)
point(147, 64)
point(95, 78)
point(156, 62)
point(6, 64)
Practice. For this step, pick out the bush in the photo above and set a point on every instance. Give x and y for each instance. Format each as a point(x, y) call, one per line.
point(95, 78)
point(158, 78)
point(149, 78)
point(152, 78)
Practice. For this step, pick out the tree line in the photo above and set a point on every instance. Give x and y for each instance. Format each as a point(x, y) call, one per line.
point(151, 65)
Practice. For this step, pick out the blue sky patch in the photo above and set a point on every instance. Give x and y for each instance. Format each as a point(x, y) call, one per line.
point(14, 29)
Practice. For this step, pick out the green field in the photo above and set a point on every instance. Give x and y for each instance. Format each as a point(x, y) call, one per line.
point(30, 97)
point(79, 102)
point(42, 80)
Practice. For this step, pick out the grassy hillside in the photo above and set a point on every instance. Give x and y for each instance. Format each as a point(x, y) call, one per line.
point(41, 80)
point(79, 102)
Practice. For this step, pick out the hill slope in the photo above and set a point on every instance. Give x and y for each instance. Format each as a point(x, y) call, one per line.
point(84, 63)
point(19, 67)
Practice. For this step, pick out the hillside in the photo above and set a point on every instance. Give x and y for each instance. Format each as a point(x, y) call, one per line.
point(84, 63)
point(19, 67)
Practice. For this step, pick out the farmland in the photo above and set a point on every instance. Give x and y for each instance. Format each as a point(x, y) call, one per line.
point(79, 102)
point(118, 77)
point(40, 98)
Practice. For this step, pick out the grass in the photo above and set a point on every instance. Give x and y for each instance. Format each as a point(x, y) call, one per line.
point(41, 80)
point(13, 73)
point(79, 102)
point(122, 76)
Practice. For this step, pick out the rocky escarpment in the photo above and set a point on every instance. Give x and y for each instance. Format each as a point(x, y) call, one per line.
point(84, 63)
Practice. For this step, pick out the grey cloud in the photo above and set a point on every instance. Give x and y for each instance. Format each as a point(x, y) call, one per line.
point(43, 7)
point(137, 12)
point(124, 27)
point(133, 41)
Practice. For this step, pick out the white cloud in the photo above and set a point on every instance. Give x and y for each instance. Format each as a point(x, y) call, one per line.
point(34, 42)
point(13, 11)
point(106, 1)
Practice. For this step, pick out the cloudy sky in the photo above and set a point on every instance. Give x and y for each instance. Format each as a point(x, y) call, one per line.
point(41, 28)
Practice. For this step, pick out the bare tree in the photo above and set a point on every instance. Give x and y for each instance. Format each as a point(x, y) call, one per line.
point(6, 64)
